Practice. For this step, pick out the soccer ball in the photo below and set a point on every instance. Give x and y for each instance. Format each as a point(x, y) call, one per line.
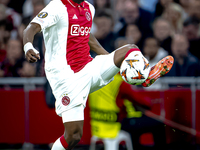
point(135, 68)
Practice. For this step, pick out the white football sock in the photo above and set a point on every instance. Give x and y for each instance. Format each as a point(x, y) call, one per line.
point(57, 145)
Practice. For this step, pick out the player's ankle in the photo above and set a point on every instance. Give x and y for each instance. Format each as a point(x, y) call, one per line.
point(64, 143)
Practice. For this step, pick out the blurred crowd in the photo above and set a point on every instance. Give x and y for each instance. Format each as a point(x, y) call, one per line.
point(158, 27)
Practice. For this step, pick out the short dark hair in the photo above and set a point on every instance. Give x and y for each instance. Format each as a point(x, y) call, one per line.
point(105, 13)
point(108, 4)
point(7, 24)
point(159, 19)
point(152, 37)
point(191, 20)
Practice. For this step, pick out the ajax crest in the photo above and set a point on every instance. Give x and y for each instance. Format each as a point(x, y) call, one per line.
point(65, 100)
point(88, 16)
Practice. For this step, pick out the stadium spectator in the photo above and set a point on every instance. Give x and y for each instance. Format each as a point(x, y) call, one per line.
point(161, 6)
point(133, 14)
point(2, 36)
point(6, 23)
point(27, 70)
point(118, 14)
point(2, 42)
point(162, 32)
point(28, 9)
point(104, 33)
point(1, 73)
point(37, 6)
point(134, 35)
point(185, 64)
point(4, 2)
point(119, 7)
point(186, 5)
point(2, 55)
point(16, 5)
point(102, 4)
point(195, 7)
point(12, 16)
point(191, 31)
point(14, 58)
point(191, 28)
point(2, 12)
point(5, 30)
point(174, 13)
point(154, 53)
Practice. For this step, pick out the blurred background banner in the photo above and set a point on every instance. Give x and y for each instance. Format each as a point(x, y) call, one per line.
point(27, 118)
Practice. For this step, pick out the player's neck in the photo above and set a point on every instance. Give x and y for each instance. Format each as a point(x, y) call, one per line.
point(78, 1)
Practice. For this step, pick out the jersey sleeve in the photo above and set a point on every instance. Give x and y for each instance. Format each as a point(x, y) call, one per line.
point(48, 16)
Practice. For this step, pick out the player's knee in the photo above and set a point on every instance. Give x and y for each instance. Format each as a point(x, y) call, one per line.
point(73, 138)
point(77, 137)
point(126, 48)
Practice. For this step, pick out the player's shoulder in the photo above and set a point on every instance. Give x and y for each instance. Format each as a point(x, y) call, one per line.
point(92, 9)
point(56, 4)
point(90, 5)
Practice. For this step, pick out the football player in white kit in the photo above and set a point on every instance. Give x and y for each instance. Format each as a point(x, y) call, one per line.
point(70, 70)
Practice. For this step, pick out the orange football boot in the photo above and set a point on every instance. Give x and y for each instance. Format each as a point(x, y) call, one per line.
point(159, 70)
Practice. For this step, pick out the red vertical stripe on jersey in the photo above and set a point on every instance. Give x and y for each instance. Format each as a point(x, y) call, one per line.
point(80, 23)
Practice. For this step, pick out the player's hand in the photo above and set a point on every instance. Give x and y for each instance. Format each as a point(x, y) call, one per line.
point(31, 56)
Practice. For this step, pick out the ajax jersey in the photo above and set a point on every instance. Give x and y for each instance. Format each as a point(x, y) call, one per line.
point(66, 28)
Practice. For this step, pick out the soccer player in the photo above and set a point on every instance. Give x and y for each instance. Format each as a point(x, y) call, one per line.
point(70, 70)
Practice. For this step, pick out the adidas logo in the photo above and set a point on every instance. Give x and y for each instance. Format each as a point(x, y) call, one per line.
point(75, 17)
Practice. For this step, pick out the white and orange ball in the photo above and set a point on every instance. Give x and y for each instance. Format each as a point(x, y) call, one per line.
point(135, 68)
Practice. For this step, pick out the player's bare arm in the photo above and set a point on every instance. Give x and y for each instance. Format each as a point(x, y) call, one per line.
point(96, 46)
point(31, 55)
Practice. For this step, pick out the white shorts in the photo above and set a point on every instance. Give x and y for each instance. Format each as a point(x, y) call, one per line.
point(73, 91)
point(78, 111)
